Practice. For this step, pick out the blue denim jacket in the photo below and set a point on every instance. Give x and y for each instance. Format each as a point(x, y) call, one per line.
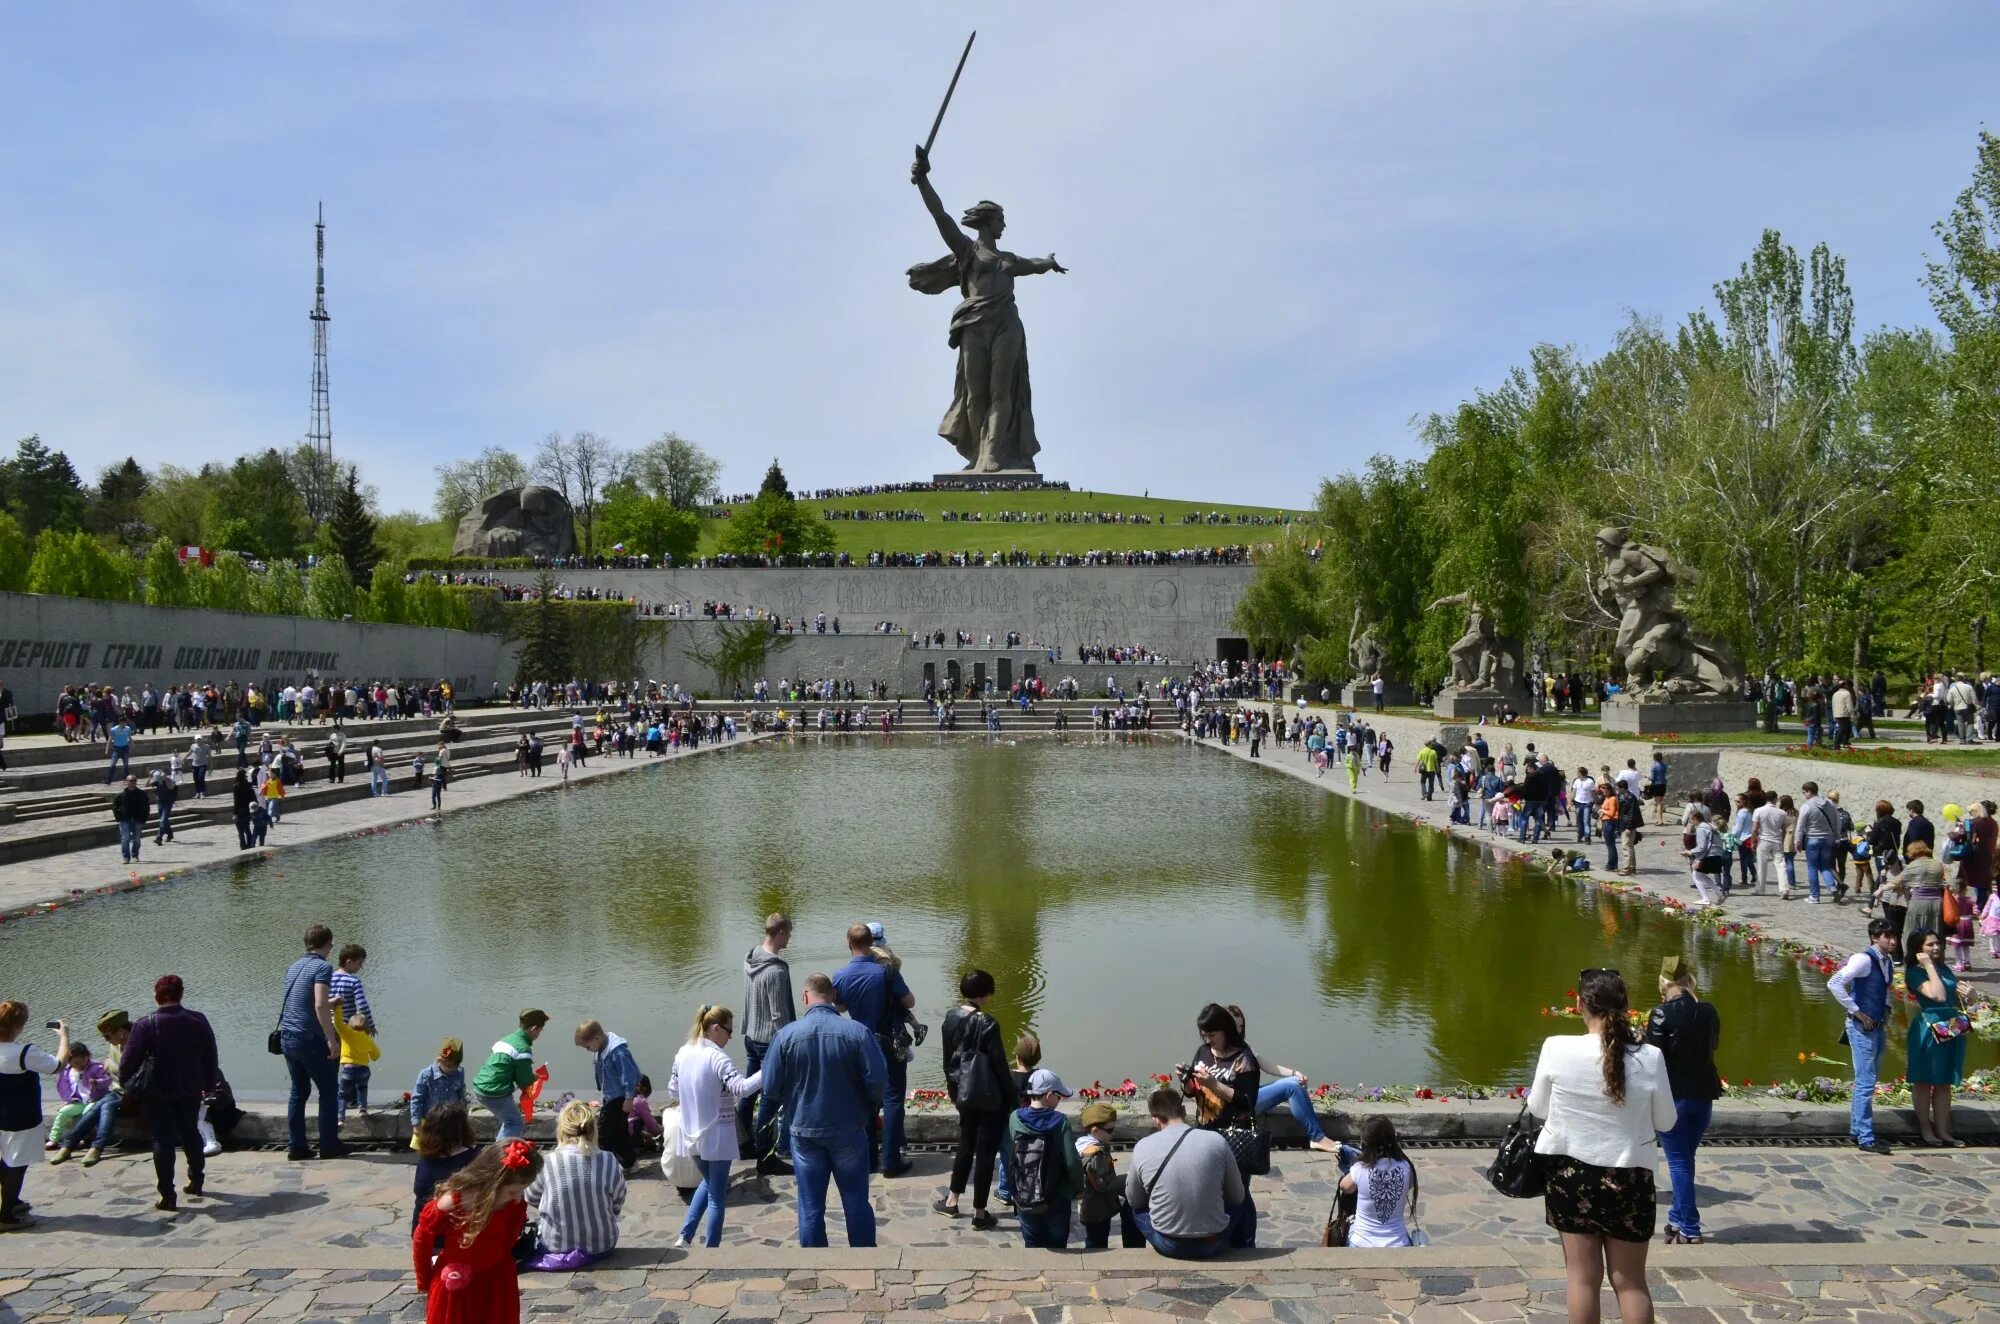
point(828, 1073)
point(617, 1071)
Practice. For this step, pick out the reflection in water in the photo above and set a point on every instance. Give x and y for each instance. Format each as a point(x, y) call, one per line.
point(1112, 886)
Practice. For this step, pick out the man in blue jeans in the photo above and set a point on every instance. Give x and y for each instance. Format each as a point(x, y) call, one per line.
point(1184, 1188)
point(828, 1075)
point(120, 738)
point(311, 1046)
point(874, 995)
point(1819, 829)
point(1862, 987)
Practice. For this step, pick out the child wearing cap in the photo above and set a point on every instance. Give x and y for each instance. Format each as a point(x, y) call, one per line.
point(1103, 1197)
point(441, 1082)
point(1047, 1171)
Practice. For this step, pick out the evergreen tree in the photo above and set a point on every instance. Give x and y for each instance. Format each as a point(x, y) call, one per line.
point(774, 481)
point(545, 648)
point(350, 530)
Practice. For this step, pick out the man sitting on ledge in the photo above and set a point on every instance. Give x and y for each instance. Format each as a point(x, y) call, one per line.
point(1184, 1187)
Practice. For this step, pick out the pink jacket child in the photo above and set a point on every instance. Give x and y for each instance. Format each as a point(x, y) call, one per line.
point(1989, 922)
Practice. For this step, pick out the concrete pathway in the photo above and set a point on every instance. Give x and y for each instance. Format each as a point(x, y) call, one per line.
point(1794, 1234)
point(62, 879)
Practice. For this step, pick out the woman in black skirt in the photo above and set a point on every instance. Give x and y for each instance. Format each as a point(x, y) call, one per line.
point(1605, 1098)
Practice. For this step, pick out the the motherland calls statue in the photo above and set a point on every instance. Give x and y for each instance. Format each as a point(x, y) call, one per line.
point(1663, 659)
point(518, 521)
point(1364, 651)
point(991, 421)
point(1482, 659)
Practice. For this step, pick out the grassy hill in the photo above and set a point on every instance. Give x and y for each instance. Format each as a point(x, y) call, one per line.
point(1164, 530)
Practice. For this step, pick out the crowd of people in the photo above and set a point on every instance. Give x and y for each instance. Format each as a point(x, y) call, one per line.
point(88, 713)
point(819, 1098)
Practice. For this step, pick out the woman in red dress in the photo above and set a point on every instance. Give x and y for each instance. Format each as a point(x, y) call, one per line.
point(478, 1213)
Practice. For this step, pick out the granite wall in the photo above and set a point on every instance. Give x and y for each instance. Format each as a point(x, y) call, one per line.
point(1179, 610)
point(48, 642)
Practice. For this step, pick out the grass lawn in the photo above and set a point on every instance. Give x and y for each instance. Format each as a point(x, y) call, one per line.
point(1164, 530)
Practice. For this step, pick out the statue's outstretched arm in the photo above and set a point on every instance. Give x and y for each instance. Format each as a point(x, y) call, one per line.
point(1453, 600)
point(920, 175)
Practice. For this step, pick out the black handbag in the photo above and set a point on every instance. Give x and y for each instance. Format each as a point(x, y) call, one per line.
point(973, 1075)
point(1517, 1169)
point(1251, 1147)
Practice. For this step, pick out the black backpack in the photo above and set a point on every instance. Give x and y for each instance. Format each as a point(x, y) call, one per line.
point(1034, 1170)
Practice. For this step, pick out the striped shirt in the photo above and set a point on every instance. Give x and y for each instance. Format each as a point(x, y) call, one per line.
point(578, 1198)
point(353, 999)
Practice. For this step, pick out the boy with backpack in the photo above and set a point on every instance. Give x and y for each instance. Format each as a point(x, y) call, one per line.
point(1047, 1171)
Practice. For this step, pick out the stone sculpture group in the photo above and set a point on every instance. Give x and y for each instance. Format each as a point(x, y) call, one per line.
point(529, 521)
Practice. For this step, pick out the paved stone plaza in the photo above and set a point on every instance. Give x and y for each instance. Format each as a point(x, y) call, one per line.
point(1810, 1233)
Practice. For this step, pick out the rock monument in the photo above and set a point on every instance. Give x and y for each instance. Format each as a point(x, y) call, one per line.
point(1674, 680)
point(518, 521)
point(1485, 666)
point(1369, 660)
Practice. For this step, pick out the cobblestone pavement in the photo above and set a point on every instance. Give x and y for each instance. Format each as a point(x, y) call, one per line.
point(64, 877)
point(1794, 1234)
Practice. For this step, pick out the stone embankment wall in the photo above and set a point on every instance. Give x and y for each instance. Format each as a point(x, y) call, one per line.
point(1180, 611)
point(48, 642)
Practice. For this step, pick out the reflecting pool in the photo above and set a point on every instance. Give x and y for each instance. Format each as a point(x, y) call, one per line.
point(1111, 884)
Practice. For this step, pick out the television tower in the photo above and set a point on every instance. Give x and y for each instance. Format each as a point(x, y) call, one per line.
point(319, 431)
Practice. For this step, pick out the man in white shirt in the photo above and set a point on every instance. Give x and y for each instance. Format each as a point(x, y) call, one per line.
point(1768, 826)
point(1583, 799)
point(1963, 700)
point(1631, 778)
point(1862, 988)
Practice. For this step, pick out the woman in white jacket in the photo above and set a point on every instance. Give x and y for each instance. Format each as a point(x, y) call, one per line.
point(706, 1085)
point(1606, 1098)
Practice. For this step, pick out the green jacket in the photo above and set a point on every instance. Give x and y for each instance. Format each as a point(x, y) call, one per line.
point(510, 1069)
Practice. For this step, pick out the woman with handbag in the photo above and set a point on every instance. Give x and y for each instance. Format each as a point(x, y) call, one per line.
point(981, 1085)
point(1924, 877)
point(1605, 1099)
point(1223, 1080)
point(1937, 1038)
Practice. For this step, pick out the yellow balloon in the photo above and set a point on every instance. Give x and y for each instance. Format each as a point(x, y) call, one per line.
point(1952, 813)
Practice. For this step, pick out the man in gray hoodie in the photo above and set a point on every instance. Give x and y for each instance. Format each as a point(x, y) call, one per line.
point(767, 1008)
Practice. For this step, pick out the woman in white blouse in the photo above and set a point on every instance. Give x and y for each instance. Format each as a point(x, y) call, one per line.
point(706, 1085)
point(1606, 1098)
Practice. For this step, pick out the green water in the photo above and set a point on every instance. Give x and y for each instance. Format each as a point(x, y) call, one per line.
point(1112, 886)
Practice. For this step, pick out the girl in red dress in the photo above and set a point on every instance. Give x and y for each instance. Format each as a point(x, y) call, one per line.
point(479, 1214)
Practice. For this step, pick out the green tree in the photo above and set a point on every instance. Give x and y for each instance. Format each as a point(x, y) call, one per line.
point(261, 491)
point(545, 644)
point(227, 584)
point(40, 488)
point(330, 594)
point(675, 470)
point(775, 525)
point(117, 507)
point(76, 565)
point(1285, 604)
point(1376, 551)
point(388, 596)
point(175, 505)
point(463, 484)
point(351, 530)
point(408, 534)
point(166, 578)
point(282, 590)
point(14, 557)
point(774, 481)
point(234, 535)
point(649, 525)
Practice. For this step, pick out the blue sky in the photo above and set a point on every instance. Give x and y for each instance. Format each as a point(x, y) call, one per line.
point(1291, 227)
